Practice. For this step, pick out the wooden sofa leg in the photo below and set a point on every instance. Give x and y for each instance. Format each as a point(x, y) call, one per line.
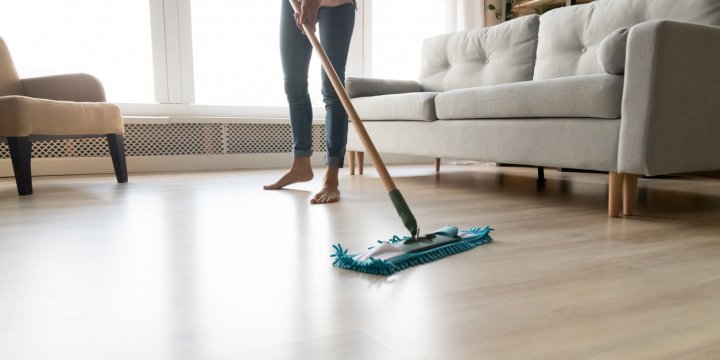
point(351, 162)
point(20, 150)
point(361, 161)
point(629, 193)
point(437, 165)
point(615, 182)
point(117, 152)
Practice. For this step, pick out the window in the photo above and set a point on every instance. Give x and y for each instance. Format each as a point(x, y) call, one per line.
point(109, 39)
point(236, 54)
point(398, 28)
point(203, 52)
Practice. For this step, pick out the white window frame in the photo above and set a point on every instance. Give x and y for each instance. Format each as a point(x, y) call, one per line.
point(171, 27)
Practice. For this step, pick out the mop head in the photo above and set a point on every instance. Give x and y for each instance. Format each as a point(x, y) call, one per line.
point(401, 253)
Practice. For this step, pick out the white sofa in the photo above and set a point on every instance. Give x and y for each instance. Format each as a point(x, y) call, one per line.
point(630, 87)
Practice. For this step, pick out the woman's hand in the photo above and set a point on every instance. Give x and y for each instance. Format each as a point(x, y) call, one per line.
point(308, 14)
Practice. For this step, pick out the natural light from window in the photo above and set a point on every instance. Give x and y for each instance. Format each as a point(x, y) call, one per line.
point(235, 45)
point(236, 54)
point(398, 29)
point(109, 39)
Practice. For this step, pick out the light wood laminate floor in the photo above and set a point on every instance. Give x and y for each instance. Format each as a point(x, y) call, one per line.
point(207, 265)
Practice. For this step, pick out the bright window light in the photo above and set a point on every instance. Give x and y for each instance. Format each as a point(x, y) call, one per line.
point(109, 39)
point(236, 54)
point(409, 20)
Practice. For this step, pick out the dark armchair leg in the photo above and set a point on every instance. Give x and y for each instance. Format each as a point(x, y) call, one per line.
point(20, 149)
point(117, 152)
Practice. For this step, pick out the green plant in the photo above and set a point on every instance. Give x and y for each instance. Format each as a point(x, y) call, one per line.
point(510, 12)
point(543, 9)
point(509, 5)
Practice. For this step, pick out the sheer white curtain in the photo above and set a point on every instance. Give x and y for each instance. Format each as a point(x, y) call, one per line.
point(395, 30)
point(469, 14)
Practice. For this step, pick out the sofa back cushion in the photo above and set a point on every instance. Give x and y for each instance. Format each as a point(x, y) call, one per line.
point(487, 56)
point(569, 37)
point(612, 50)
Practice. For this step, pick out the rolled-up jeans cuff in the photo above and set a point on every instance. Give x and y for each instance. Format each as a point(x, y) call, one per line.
point(302, 153)
point(334, 161)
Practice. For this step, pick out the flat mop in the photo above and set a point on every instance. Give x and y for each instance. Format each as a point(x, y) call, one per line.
point(397, 253)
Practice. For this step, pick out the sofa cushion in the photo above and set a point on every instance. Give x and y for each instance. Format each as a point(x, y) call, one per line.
point(487, 56)
point(365, 86)
point(418, 106)
point(611, 52)
point(570, 36)
point(588, 96)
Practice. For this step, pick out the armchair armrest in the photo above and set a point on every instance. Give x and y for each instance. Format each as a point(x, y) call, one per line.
point(68, 87)
point(671, 107)
point(362, 86)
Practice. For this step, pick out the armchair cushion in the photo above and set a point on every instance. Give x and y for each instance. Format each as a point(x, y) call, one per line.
point(24, 116)
point(68, 87)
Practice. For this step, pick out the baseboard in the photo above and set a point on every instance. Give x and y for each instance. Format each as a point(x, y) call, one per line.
point(138, 164)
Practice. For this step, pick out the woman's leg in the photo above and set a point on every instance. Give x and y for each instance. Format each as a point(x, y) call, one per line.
point(335, 27)
point(295, 53)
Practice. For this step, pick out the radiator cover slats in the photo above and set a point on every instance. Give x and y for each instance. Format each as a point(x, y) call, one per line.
point(181, 139)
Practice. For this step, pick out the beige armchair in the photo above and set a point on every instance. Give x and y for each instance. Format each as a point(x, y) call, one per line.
point(52, 107)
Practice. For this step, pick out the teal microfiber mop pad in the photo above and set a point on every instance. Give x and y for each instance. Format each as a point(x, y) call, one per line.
point(401, 253)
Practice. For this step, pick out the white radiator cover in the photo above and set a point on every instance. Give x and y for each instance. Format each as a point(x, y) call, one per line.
point(181, 139)
point(177, 144)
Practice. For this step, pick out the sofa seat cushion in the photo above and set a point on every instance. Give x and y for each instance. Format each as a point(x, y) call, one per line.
point(364, 86)
point(588, 96)
point(419, 106)
point(24, 116)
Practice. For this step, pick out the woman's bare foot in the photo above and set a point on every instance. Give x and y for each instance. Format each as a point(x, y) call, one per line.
point(330, 191)
point(326, 195)
point(300, 171)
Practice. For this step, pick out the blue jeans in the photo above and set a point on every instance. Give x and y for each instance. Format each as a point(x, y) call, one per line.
point(335, 26)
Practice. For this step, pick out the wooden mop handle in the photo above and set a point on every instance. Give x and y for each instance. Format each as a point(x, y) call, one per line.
point(347, 104)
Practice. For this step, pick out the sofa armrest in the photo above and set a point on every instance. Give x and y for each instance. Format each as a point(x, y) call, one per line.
point(671, 107)
point(363, 86)
point(67, 87)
